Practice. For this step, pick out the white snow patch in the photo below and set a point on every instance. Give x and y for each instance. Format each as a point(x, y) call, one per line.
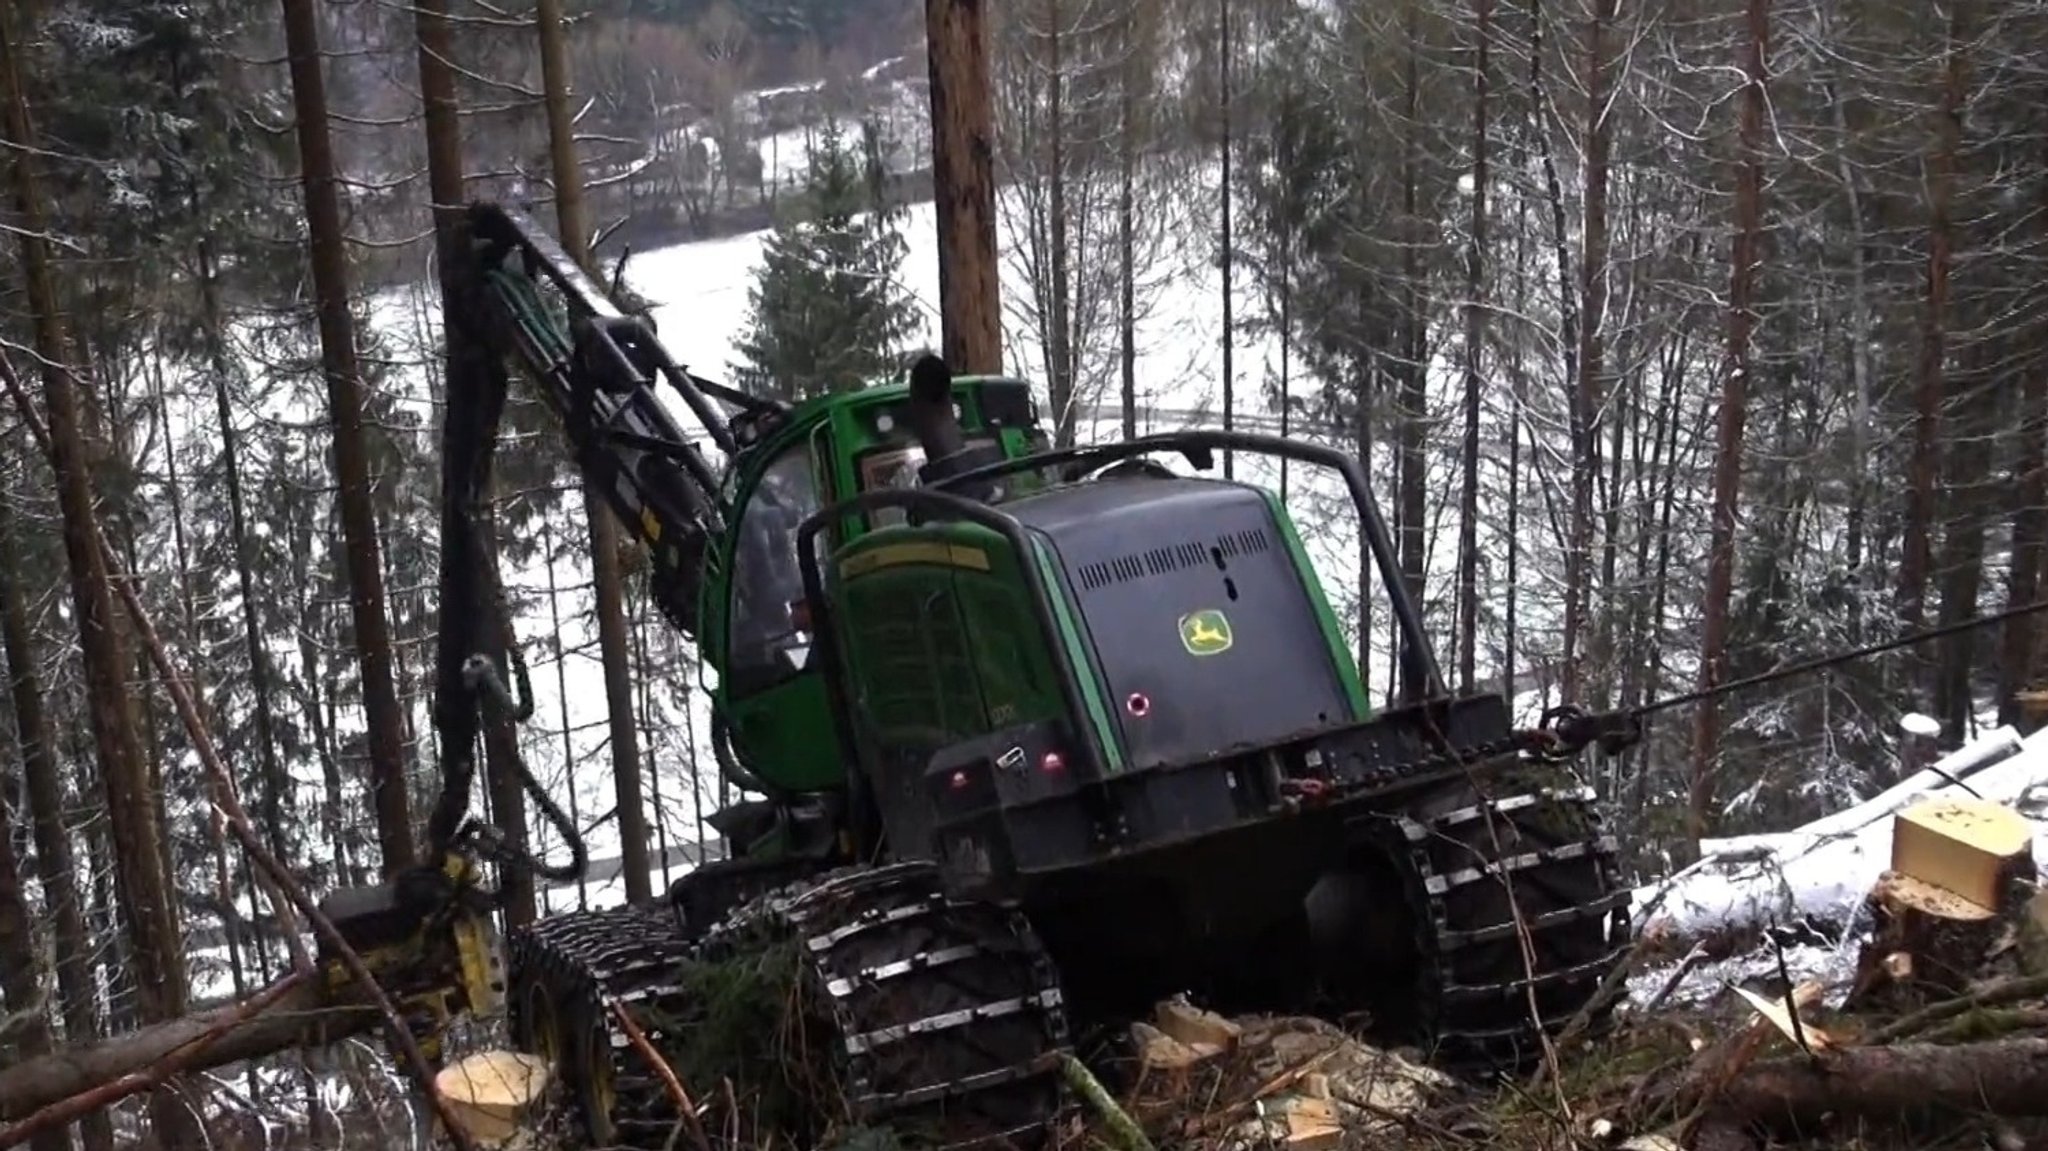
point(1823, 870)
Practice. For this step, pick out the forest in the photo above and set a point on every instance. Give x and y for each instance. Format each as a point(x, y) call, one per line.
point(1683, 342)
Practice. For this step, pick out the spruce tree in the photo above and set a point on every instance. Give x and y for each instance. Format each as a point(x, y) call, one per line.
point(828, 311)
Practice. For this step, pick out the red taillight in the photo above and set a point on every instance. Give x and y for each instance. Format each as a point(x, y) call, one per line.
point(800, 614)
point(1053, 763)
point(959, 780)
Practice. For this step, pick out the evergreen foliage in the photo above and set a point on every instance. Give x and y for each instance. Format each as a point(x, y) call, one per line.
point(828, 310)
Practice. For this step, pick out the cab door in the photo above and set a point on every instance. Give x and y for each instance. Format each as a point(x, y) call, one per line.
point(772, 693)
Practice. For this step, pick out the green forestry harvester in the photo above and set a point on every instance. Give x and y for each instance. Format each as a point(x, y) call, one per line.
point(1033, 739)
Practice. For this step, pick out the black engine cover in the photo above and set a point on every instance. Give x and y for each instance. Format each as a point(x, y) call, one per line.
point(1200, 621)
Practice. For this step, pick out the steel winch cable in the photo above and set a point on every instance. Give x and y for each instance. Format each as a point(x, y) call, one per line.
point(1571, 728)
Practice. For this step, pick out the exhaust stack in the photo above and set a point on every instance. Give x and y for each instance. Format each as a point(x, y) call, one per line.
point(931, 410)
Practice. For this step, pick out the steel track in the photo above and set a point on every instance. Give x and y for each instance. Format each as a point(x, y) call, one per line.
point(939, 1019)
point(1523, 919)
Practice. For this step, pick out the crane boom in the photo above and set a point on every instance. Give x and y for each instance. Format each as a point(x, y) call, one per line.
point(524, 301)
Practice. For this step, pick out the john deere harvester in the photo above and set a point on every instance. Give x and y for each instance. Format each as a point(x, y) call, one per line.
point(1030, 739)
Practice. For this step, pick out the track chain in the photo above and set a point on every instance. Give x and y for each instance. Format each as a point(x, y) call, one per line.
point(1521, 895)
point(582, 961)
point(945, 1019)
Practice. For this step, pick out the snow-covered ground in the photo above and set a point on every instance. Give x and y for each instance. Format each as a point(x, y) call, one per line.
point(1819, 873)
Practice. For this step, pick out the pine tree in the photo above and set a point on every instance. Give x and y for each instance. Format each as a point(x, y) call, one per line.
point(828, 310)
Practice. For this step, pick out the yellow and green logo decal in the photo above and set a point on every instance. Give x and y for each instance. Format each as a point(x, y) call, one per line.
point(1205, 632)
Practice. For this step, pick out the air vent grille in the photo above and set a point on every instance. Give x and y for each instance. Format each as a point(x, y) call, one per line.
point(1171, 558)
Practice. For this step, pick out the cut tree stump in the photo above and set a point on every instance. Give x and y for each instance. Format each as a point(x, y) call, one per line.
point(1961, 871)
point(493, 1094)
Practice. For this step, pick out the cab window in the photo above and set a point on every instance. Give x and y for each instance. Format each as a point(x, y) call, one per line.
point(893, 468)
point(765, 644)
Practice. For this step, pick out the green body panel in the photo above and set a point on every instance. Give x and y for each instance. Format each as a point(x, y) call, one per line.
point(1340, 651)
point(1107, 737)
point(781, 724)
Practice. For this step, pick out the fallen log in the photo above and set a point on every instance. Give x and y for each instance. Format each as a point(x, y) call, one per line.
point(1798, 1095)
point(308, 1014)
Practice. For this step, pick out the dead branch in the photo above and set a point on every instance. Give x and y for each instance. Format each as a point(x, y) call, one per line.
point(2008, 991)
point(677, 1093)
point(1799, 1094)
point(295, 1010)
point(221, 781)
point(174, 1062)
point(238, 818)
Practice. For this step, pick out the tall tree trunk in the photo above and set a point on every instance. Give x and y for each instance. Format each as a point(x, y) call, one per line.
point(1931, 381)
point(1475, 331)
point(275, 782)
point(1414, 333)
point(612, 637)
point(2029, 539)
point(1224, 62)
point(1588, 383)
point(24, 1024)
point(339, 363)
point(1126, 270)
point(562, 700)
point(54, 869)
point(1706, 737)
point(1060, 372)
point(1962, 553)
point(145, 891)
point(963, 185)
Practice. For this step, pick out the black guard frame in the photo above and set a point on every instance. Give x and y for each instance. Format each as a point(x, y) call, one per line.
point(1421, 679)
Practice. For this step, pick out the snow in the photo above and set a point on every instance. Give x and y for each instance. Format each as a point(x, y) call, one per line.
point(1817, 875)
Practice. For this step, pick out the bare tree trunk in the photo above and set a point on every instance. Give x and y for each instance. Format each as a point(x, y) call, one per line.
point(1931, 382)
point(1734, 408)
point(1060, 350)
point(24, 1025)
point(1127, 160)
point(612, 639)
point(1414, 325)
point(339, 364)
point(145, 891)
point(2029, 545)
point(1475, 331)
point(1962, 555)
point(963, 185)
point(275, 781)
point(54, 869)
point(562, 700)
point(1588, 383)
point(1223, 69)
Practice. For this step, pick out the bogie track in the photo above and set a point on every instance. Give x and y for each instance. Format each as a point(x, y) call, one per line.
point(1524, 918)
point(941, 1020)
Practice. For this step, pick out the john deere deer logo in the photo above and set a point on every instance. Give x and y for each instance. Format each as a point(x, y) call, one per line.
point(1205, 632)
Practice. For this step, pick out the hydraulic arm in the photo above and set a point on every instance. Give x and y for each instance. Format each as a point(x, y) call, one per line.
point(522, 299)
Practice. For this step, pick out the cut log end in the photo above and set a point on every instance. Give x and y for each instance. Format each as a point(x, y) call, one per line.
point(494, 1094)
point(1962, 870)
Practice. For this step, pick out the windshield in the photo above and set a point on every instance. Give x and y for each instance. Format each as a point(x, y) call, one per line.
point(766, 580)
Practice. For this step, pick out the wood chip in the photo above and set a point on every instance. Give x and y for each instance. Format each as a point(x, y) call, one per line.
point(1195, 1027)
